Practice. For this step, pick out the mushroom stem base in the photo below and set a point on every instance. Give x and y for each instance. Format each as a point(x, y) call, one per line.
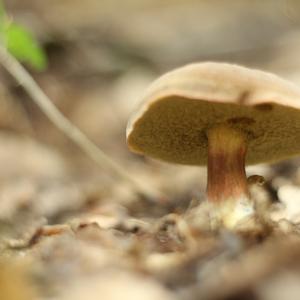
point(227, 189)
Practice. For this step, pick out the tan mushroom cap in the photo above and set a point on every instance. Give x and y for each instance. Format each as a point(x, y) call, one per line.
point(180, 106)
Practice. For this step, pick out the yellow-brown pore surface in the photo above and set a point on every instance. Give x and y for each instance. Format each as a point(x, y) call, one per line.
point(172, 123)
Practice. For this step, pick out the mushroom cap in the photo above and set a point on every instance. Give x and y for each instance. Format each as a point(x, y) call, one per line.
point(180, 106)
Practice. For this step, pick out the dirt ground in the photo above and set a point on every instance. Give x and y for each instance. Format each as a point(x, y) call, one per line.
point(73, 230)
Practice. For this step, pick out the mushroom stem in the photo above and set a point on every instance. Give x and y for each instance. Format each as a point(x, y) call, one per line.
point(227, 187)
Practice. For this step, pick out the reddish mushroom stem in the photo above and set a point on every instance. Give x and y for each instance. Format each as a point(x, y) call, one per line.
point(226, 181)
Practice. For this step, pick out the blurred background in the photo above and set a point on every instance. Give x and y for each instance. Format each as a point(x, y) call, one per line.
point(102, 55)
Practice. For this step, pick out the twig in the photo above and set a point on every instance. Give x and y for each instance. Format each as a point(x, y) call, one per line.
point(22, 76)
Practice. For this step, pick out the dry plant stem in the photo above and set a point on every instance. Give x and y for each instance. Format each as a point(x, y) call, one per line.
point(42, 100)
point(227, 187)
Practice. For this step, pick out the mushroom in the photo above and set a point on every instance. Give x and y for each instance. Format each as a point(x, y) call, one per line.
point(222, 115)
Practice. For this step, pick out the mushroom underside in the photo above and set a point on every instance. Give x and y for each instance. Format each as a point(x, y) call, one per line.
point(174, 129)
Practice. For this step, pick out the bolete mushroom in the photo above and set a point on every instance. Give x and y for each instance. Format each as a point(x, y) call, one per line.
point(222, 115)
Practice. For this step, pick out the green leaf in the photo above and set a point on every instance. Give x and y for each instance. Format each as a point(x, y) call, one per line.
point(21, 44)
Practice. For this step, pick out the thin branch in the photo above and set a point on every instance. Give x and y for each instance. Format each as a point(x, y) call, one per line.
point(22, 76)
